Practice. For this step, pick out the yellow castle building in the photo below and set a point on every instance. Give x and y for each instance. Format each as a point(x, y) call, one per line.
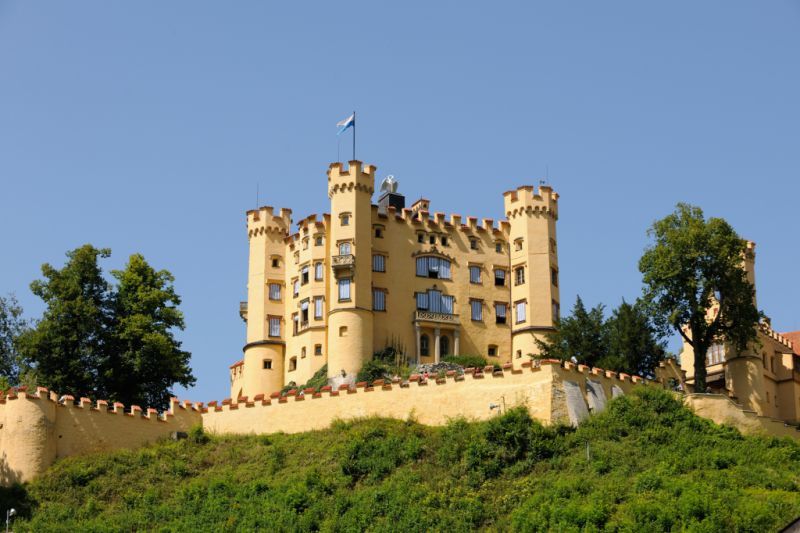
point(765, 377)
point(371, 275)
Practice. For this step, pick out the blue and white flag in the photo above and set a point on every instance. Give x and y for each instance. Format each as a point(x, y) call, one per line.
point(346, 123)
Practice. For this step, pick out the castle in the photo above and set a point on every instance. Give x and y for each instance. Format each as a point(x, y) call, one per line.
point(367, 276)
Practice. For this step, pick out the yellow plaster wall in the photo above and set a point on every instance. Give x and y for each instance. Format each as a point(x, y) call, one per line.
point(36, 430)
point(723, 410)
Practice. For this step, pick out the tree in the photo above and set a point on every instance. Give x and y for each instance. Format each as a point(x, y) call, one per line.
point(67, 346)
point(635, 345)
point(146, 359)
point(580, 335)
point(12, 326)
point(692, 266)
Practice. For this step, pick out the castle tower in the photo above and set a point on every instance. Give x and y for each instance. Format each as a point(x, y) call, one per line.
point(350, 291)
point(264, 351)
point(534, 267)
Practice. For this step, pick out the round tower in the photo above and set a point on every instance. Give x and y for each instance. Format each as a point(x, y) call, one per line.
point(263, 363)
point(535, 300)
point(350, 291)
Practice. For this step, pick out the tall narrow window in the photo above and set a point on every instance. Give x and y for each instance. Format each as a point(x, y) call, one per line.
point(275, 291)
point(519, 275)
point(378, 300)
point(554, 277)
point(473, 244)
point(423, 345)
point(474, 274)
point(344, 290)
point(500, 313)
point(444, 269)
point(520, 312)
point(435, 301)
point(296, 289)
point(318, 241)
point(345, 220)
point(274, 326)
point(422, 301)
point(518, 245)
point(476, 307)
point(556, 310)
point(498, 247)
point(378, 263)
point(318, 307)
point(304, 311)
point(433, 267)
point(304, 275)
point(447, 304)
point(344, 248)
point(318, 271)
point(499, 277)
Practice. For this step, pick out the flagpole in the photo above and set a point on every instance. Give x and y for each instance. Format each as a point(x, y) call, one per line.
point(354, 135)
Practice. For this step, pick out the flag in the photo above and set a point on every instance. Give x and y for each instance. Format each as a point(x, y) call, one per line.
point(346, 123)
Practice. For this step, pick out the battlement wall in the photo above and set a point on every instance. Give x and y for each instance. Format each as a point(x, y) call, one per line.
point(356, 176)
point(526, 201)
point(551, 393)
point(38, 428)
point(264, 220)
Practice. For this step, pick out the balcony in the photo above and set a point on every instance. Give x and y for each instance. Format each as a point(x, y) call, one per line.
point(438, 318)
point(243, 310)
point(344, 266)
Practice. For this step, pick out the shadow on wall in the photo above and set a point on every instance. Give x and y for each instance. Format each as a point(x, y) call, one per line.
point(8, 476)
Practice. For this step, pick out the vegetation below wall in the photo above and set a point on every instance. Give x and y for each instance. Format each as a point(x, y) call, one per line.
point(651, 465)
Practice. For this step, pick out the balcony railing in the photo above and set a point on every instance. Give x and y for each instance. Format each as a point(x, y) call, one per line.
point(343, 265)
point(440, 318)
point(243, 310)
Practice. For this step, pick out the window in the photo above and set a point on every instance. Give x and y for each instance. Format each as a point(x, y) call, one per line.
point(554, 277)
point(344, 290)
point(498, 247)
point(443, 240)
point(276, 262)
point(715, 354)
point(556, 311)
point(305, 243)
point(499, 277)
point(304, 311)
point(435, 302)
point(296, 257)
point(492, 350)
point(519, 354)
point(520, 308)
point(318, 241)
point(519, 275)
point(343, 331)
point(476, 308)
point(473, 244)
point(274, 326)
point(317, 349)
point(474, 274)
point(500, 313)
point(444, 345)
point(318, 307)
point(303, 352)
point(267, 364)
point(304, 275)
point(420, 237)
point(296, 287)
point(433, 267)
point(344, 248)
point(379, 233)
point(378, 263)
point(432, 239)
point(318, 271)
point(295, 324)
point(378, 300)
point(423, 345)
point(275, 291)
point(292, 364)
point(518, 244)
point(552, 245)
point(345, 220)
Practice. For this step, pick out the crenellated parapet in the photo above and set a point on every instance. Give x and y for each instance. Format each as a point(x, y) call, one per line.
point(264, 220)
point(525, 201)
point(356, 176)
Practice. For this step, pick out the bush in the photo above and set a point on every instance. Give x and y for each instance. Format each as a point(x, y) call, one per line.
point(373, 370)
point(467, 361)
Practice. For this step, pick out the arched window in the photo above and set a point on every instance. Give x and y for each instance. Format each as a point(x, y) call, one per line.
point(444, 345)
point(423, 345)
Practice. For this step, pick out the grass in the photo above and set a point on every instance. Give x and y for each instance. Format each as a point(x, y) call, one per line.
point(651, 465)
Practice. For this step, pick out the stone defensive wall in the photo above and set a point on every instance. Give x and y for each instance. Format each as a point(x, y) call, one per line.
point(38, 428)
point(551, 393)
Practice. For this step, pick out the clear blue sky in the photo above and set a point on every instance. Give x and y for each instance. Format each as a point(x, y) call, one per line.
point(145, 127)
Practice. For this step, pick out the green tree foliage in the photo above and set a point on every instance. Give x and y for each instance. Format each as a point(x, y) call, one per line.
point(626, 342)
point(692, 264)
point(651, 465)
point(12, 326)
point(144, 359)
point(67, 346)
point(106, 341)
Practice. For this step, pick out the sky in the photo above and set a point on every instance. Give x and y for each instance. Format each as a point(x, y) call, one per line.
point(148, 126)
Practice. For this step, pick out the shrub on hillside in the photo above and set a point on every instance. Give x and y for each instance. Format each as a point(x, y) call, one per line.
point(467, 361)
point(373, 370)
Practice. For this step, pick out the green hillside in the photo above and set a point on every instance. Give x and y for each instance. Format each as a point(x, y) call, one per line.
point(652, 466)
